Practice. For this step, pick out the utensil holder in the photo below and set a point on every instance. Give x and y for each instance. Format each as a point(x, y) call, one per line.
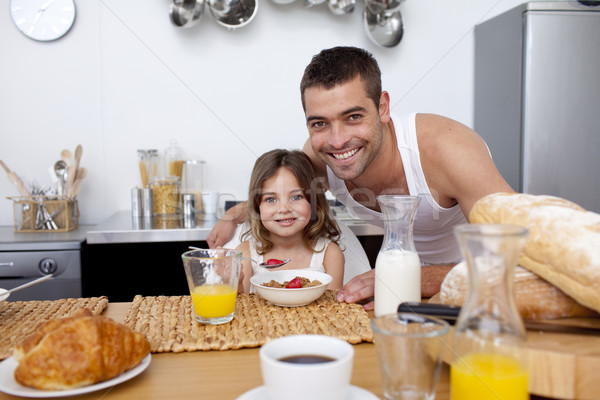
point(45, 214)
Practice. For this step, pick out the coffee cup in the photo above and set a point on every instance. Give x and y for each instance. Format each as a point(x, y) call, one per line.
point(300, 367)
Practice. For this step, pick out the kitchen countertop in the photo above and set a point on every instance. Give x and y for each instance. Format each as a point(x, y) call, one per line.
point(121, 227)
point(27, 241)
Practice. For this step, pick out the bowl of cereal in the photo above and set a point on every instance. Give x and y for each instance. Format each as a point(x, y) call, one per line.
point(291, 288)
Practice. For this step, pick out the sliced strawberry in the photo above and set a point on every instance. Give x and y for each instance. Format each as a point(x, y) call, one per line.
point(294, 283)
point(274, 261)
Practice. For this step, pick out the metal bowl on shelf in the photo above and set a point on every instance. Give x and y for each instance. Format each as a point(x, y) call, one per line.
point(186, 13)
point(233, 14)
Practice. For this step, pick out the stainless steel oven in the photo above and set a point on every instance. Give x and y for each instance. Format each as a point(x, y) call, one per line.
point(25, 257)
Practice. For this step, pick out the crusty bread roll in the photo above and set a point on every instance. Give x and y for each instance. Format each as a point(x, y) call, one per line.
point(535, 298)
point(563, 245)
point(76, 351)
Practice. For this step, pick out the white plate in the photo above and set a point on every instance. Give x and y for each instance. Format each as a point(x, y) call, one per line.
point(355, 393)
point(10, 386)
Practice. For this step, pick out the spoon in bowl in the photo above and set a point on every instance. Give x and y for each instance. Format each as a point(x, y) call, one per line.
point(5, 293)
point(271, 262)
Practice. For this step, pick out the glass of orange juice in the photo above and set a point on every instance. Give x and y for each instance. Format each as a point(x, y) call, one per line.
point(213, 276)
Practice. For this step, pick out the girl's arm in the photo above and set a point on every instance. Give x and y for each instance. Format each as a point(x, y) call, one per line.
point(334, 265)
point(246, 272)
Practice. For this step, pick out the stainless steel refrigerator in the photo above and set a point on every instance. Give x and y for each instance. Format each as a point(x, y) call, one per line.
point(537, 97)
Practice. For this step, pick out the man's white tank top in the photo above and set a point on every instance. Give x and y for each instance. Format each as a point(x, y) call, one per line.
point(433, 225)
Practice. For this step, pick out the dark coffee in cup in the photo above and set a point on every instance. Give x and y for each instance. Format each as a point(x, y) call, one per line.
point(307, 359)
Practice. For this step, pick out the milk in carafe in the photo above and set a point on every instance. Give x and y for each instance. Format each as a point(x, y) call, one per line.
point(397, 279)
point(398, 268)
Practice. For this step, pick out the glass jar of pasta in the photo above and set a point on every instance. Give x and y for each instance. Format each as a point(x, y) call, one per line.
point(166, 195)
point(148, 164)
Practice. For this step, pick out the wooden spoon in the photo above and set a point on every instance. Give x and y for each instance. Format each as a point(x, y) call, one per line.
point(72, 175)
point(81, 173)
point(66, 156)
point(75, 189)
point(16, 181)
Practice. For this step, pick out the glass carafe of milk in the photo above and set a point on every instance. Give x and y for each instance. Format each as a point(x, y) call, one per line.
point(398, 268)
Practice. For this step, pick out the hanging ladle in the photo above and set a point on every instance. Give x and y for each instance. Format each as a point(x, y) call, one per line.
point(186, 13)
point(383, 28)
point(271, 262)
point(5, 293)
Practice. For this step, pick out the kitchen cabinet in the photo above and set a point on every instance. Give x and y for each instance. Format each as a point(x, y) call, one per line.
point(122, 270)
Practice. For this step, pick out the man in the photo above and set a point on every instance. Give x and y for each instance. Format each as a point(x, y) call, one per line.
point(362, 152)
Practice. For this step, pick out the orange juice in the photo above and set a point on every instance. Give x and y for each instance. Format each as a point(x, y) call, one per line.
point(213, 301)
point(482, 376)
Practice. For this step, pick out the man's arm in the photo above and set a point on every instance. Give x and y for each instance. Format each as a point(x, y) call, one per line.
point(224, 229)
point(432, 277)
point(456, 162)
point(459, 169)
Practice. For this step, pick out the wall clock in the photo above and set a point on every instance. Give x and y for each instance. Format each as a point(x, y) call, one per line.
point(43, 20)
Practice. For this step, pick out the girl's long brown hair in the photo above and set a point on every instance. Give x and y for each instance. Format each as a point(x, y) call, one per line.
point(321, 222)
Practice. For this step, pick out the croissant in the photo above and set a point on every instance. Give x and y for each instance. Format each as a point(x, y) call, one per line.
point(80, 350)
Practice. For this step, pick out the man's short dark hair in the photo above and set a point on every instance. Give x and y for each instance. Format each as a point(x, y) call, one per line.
point(339, 65)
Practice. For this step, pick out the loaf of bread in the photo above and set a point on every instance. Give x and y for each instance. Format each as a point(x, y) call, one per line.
point(535, 298)
point(76, 351)
point(563, 245)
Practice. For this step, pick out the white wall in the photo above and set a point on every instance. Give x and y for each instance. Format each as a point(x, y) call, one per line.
point(125, 78)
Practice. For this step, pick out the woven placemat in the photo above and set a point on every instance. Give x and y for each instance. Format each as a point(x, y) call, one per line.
point(19, 319)
point(169, 324)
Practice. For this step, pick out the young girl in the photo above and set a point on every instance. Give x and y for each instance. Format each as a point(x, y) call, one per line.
point(289, 218)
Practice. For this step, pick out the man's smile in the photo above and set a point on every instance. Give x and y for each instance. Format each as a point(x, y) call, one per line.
point(345, 155)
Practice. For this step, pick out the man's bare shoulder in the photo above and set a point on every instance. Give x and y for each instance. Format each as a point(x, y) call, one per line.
point(442, 140)
point(435, 127)
point(456, 162)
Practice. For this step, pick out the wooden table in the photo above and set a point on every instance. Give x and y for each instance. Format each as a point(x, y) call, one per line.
point(221, 375)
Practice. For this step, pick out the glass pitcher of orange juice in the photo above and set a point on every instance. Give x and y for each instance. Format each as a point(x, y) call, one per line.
point(489, 337)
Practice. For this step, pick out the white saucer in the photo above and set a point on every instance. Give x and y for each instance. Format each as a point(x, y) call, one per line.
point(355, 393)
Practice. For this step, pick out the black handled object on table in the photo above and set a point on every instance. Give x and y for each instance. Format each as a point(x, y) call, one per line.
point(450, 314)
